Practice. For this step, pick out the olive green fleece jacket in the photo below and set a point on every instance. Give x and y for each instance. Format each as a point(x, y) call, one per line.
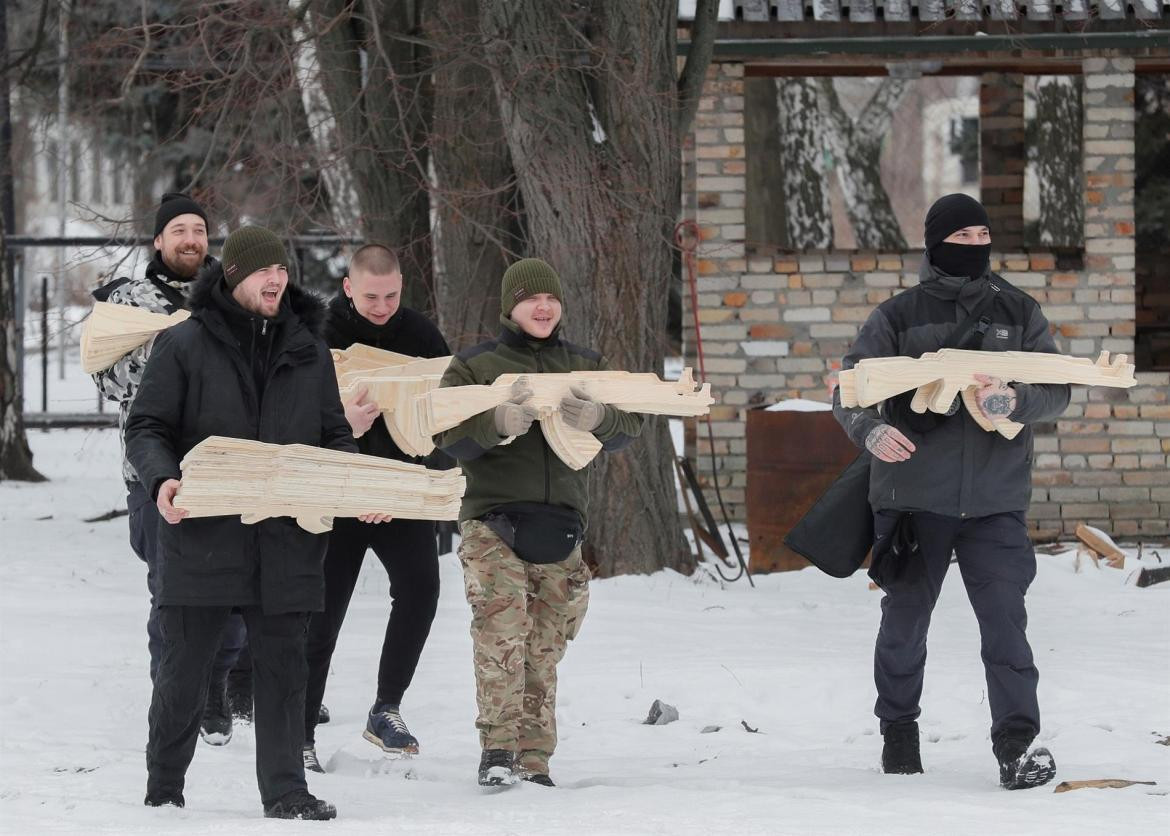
point(526, 470)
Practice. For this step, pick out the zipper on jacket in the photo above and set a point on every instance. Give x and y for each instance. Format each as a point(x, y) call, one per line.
point(544, 446)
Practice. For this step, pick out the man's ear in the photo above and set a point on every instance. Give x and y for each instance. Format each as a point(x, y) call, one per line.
point(345, 285)
point(158, 242)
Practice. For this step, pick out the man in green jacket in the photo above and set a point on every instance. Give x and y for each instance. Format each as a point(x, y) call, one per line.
point(522, 524)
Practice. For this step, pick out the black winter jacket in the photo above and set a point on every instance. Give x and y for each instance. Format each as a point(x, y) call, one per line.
point(407, 332)
point(201, 380)
point(958, 469)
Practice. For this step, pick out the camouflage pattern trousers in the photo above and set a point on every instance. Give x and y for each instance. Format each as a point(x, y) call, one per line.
point(522, 617)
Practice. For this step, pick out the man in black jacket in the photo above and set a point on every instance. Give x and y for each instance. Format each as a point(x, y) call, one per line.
point(248, 364)
point(941, 484)
point(368, 310)
point(180, 251)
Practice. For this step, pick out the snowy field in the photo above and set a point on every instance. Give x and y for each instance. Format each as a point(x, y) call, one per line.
point(790, 658)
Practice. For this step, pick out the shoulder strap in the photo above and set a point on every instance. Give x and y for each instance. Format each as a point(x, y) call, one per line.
point(977, 319)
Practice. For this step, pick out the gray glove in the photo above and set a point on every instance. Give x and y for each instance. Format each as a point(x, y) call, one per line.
point(580, 411)
point(514, 417)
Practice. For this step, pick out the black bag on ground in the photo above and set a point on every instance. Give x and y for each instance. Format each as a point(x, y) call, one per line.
point(537, 533)
point(836, 534)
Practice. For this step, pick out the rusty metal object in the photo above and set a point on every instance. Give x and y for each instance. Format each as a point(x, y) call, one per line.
point(792, 457)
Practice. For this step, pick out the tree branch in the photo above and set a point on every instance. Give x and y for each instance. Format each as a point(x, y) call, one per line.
point(690, 81)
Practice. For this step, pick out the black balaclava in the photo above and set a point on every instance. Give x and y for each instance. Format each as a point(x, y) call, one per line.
point(948, 214)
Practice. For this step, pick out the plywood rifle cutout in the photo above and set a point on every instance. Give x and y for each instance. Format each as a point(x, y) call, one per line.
point(938, 376)
point(111, 331)
point(392, 381)
point(443, 409)
point(224, 476)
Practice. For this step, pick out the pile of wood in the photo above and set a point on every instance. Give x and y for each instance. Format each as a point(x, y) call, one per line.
point(1096, 545)
point(112, 331)
point(257, 480)
point(443, 409)
point(938, 376)
point(392, 381)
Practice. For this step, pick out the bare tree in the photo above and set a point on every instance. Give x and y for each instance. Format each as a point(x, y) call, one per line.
point(15, 455)
point(857, 148)
point(594, 115)
point(479, 227)
point(375, 71)
point(1056, 152)
point(808, 217)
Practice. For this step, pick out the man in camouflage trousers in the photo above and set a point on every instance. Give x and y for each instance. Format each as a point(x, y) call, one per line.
point(180, 251)
point(522, 524)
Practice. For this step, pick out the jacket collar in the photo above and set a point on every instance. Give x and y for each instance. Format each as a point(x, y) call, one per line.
point(513, 335)
point(302, 315)
point(965, 292)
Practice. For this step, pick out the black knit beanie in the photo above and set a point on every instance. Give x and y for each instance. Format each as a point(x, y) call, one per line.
point(171, 206)
point(951, 213)
point(248, 249)
point(528, 277)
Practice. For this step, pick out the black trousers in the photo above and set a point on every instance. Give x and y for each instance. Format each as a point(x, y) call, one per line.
point(191, 637)
point(997, 563)
point(409, 553)
point(144, 522)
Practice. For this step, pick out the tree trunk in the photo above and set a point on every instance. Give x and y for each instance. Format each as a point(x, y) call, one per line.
point(809, 217)
point(479, 230)
point(857, 151)
point(1057, 150)
point(766, 221)
point(15, 455)
point(590, 109)
point(376, 78)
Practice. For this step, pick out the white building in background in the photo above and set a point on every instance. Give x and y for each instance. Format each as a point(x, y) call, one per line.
point(946, 124)
point(99, 194)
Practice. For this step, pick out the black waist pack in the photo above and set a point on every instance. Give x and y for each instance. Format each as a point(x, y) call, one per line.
point(896, 556)
point(538, 533)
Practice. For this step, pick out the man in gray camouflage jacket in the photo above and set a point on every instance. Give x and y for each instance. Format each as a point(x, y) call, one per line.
point(180, 250)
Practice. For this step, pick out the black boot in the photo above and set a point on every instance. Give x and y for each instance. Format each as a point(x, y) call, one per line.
point(300, 804)
point(496, 768)
point(1020, 769)
point(900, 755)
point(216, 725)
point(239, 685)
point(164, 799)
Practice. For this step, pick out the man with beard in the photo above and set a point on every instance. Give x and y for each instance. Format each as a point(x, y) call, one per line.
point(249, 363)
point(180, 251)
point(941, 484)
point(368, 309)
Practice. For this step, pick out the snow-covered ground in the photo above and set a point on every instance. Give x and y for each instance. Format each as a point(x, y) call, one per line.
point(790, 658)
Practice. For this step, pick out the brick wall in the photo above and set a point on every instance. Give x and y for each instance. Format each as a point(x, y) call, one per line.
point(775, 325)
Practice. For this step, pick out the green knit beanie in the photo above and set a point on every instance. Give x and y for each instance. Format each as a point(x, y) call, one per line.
point(528, 277)
point(248, 249)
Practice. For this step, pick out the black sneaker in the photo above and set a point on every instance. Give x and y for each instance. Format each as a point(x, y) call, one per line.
point(496, 768)
point(216, 726)
point(239, 686)
point(309, 755)
point(165, 799)
point(1020, 769)
point(900, 755)
point(322, 714)
point(386, 730)
point(540, 778)
point(300, 804)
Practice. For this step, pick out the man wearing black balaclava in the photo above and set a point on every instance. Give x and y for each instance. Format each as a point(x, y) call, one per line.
point(940, 484)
